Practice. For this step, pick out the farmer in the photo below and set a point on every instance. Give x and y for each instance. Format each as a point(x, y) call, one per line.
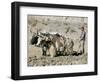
point(82, 40)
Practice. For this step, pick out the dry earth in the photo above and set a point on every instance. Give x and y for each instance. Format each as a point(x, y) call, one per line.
point(59, 60)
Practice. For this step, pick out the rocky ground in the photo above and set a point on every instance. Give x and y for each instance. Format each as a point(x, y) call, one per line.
point(59, 60)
